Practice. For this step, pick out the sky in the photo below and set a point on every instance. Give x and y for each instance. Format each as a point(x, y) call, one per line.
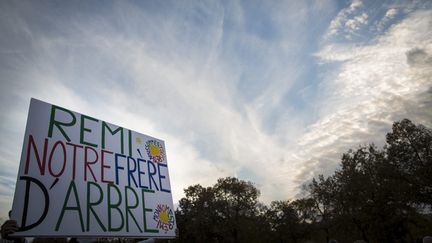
point(272, 92)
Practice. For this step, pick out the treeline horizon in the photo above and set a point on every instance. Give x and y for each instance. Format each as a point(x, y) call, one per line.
point(376, 195)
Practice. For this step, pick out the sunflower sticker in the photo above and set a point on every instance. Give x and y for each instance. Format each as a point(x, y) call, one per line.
point(164, 216)
point(155, 151)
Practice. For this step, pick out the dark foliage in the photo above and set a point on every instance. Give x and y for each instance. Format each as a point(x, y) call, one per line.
point(377, 195)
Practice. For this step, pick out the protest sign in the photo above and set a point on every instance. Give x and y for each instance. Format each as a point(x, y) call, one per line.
point(81, 176)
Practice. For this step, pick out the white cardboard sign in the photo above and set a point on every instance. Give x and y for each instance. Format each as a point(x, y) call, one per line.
point(81, 176)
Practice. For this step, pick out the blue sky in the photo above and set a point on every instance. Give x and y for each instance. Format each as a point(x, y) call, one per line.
point(269, 91)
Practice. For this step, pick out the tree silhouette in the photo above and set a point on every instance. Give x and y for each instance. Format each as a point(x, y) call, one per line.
point(378, 195)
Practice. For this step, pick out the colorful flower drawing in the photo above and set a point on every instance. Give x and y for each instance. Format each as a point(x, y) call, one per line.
point(164, 216)
point(155, 151)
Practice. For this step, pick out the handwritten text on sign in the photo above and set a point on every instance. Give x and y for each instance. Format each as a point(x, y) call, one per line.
point(80, 176)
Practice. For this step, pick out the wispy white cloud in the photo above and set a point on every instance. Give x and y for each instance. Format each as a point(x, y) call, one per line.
point(347, 20)
point(389, 15)
point(168, 75)
point(374, 85)
point(355, 23)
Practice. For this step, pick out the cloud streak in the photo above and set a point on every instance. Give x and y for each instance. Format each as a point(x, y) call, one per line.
point(374, 85)
point(349, 18)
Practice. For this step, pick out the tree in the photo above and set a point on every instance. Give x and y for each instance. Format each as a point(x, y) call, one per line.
point(322, 194)
point(196, 218)
point(365, 198)
point(410, 150)
point(237, 201)
point(227, 212)
point(378, 195)
point(285, 222)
